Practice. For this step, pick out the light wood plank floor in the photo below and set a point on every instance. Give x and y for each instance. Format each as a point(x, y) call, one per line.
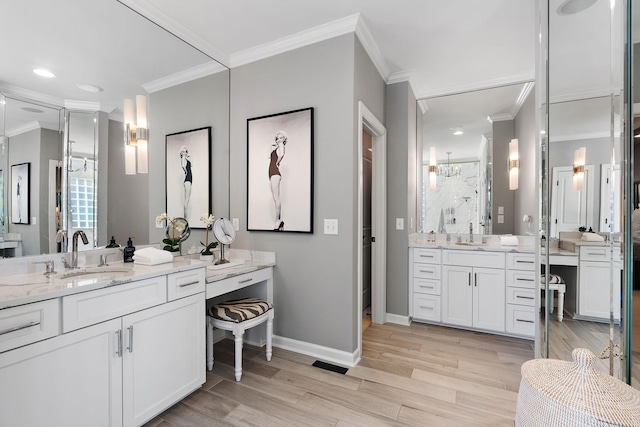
point(421, 375)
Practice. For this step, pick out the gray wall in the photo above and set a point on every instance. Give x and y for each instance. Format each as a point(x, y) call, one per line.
point(192, 105)
point(315, 277)
point(525, 200)
point(401, 191)
point(503, 133)
point(50, 143)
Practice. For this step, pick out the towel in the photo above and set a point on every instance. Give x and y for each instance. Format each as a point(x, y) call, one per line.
point(441, 228)
point(553, 279)
point(509, 240)
point(592, 237)
point(152, 256)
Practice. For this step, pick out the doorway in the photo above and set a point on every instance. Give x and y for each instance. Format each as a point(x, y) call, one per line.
point(367, 176)
point(369, 125)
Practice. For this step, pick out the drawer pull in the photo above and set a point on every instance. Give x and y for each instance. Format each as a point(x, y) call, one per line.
point(524, 320)
point(524, 280)
point(521, 297)
point(469, 279)
point(427, 256)
point(195, 282)
point(596, 253)
point(426, 308)
point(19, 328)
point(426, 287)
point(246, 280)
point(524, 262)
point(426, 271)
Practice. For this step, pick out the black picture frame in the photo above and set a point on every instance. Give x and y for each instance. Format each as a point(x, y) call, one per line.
point(21, 193)
point(280, 167)
point(179, 168)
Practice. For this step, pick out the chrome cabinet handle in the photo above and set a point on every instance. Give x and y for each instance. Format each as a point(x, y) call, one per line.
point(524, 280)
point(245, 280)
point(518, 296)
point(426, 308)
point(426, 287)
point(119, 339)
point(524, 320)
point(195, 282)
point(524, 262)
point(469, 279)
point(427, 256)
point(426, 271)
point(19, 328)
point(475, 279)
point(130, 329)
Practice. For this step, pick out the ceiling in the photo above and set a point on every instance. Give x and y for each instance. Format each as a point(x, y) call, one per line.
point(440, 47)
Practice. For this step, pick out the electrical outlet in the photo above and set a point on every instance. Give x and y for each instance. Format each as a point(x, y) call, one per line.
point(331, 226)
point(160, 224)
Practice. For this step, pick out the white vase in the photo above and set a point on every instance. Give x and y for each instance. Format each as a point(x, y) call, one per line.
point(206, 258)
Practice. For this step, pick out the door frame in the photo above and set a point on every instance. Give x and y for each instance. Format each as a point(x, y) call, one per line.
point(368, 122)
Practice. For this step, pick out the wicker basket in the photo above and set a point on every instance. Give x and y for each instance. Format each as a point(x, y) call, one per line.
point(560, 393)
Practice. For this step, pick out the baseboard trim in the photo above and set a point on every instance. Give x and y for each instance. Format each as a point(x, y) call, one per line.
point(326, 354)
point(398, 319)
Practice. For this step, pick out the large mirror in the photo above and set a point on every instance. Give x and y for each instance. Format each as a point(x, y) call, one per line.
point(583, 180)
point(69, 129)
point(466, 136)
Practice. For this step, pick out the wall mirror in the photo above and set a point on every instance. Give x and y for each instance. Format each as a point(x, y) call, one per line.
point(583, 156)
point(466, 137)
point(70, 128)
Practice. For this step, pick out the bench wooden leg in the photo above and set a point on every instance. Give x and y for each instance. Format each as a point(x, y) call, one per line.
point(238, 356)
point(269, 337)
point(209, 344)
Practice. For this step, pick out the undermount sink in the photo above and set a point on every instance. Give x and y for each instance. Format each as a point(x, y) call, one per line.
point(87, 271)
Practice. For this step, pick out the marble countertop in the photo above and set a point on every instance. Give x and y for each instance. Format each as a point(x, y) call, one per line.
point(492, 243)
point(26, 288)
point(241, 262)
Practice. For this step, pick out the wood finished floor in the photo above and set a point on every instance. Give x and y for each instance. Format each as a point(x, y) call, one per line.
point(418, 375)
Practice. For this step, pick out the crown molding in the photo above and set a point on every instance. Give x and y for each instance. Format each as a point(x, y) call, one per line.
point(485, 84)
point(153, 14)
point(193, 73)
point(501, 117)
point(31, 95)
point(303, 38)
point(81, 105)
point(29, 126)
point(522, 97)
point(399, 76)
point(370, 46)
point(577, 96)
point(422, 104)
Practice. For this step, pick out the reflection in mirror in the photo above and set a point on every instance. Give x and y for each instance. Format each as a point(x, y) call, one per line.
point(70, 128)
point(581, 62)
point(465, 176)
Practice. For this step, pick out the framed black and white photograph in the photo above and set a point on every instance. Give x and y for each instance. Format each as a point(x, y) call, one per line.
point(188, 175)
point(280, 172)
point(20, 190)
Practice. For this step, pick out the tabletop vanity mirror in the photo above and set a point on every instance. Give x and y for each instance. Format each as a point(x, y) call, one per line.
point(69, 128)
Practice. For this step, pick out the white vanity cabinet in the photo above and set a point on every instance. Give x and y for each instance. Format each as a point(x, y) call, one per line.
point(598, 275)
point(425, 284)
point(473, 289)
point(521, 294)
point(119, 361)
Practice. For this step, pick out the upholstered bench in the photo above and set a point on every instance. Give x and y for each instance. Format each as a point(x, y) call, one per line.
point(556, 283)
point(237, 316)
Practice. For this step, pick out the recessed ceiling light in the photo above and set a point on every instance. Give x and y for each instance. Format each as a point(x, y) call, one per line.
point(44, 73)
point(457, 130)
point(570, 7)
point(90, 88)
point(32, 110)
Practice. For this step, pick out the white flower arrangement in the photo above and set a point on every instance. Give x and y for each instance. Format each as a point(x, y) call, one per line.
point(208, 221)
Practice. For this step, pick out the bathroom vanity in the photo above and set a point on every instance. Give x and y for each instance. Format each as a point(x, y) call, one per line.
point(109, 346)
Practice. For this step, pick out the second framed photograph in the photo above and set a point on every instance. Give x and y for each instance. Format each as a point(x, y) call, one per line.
point(280, 172)
point(188, 175)
point(20, 191)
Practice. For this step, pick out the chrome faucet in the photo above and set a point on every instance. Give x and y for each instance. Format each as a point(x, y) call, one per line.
point(74, 252)
point(470, 232)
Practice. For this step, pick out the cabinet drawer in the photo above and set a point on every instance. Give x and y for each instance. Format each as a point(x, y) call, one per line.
point(426, 307)
point(88, 308)
point(426, 271)
point(521, 320)
point(521, 296)
point(429, 256)
point(219, 287)
point(521, 262)
point(474, 258)
point(185, 283)
point(29, 323)
point(594, 253)
point(521, 279)
point(426, 286)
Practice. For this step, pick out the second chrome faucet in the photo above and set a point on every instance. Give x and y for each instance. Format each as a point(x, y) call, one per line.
point(74, 253)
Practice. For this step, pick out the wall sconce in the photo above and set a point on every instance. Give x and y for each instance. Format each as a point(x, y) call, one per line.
point(579, 158)
point(136, 135)
point(432, 168)
point(514, 164)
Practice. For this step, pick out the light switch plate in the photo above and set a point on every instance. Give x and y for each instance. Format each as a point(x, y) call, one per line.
point(331, 226)
point(399, 223)
point(236, 223)
point(500, 219)
point(500, 210)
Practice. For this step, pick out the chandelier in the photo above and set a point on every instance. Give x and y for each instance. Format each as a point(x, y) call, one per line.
point(447, 170)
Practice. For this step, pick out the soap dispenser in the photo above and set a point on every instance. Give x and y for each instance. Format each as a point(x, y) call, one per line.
point(129, 251)
point(113, 243)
